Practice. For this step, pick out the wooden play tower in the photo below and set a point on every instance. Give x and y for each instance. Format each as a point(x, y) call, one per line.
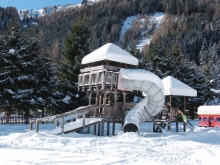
point(100, 79)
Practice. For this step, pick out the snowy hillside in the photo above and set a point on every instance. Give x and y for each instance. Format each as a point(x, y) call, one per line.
point(147, 31)
point(48, 10)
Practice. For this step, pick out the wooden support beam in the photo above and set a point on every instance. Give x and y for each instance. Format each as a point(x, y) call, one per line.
point(99, 129)
point(114, 114)
point(84, 120)
point(103, 113)
point(103, 80)
point(88, 130)
point(184, 112)
point(97, 80)
point(90, 98)
point(83, 82)
point(108, 127)
point(113, 128)
point(94, 129)
point(96, 102)
point(90, 77)
point(177, 125)
point(37, 126)
point(170, 123)
point(62, 126)
point(111, 81)
point(100, 103)
point(124, 100)
point(56, 123)
point(115, 105)
point(31, 125)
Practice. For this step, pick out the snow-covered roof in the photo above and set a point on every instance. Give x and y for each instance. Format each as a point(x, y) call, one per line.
point(175, 87)
point(110, 52)
point(212, 110)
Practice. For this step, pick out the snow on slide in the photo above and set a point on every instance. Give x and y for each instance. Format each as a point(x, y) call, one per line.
point(152, 86)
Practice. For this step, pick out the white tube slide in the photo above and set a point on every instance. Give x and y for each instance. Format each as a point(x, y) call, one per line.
point(152, 86)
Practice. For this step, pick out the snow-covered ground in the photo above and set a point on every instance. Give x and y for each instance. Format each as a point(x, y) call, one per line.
point(19, 146)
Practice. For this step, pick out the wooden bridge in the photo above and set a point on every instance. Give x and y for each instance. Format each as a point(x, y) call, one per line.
point(81, 111)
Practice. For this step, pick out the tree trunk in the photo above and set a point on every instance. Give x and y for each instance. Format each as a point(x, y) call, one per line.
point(26, 116)
point(8, 115)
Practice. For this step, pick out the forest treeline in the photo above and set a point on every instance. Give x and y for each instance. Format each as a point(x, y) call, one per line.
point(186, 45)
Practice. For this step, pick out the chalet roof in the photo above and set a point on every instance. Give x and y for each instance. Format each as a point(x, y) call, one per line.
point(110, 52)
point(174, 87)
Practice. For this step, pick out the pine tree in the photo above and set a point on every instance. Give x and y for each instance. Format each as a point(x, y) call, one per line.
point(84, 2)
point(27, 77)
point(5, 80)
point(76, 46)
point(186, 72)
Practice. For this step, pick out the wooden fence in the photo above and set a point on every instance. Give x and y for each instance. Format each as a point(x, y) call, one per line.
point(16, 119)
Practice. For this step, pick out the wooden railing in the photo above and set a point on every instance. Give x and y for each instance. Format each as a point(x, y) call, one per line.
point(97, 78)
point(79, 111)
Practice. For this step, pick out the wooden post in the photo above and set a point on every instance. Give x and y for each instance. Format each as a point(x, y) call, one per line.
point(114, 114)
point(100, 103)
point(56, 123)
point(184, 110)
point(111, 80)
point(113, 128)
point(90, 78)
point(90, 98)
point(97, 97)
point(62, 126)
point(94, 129)
point(88, 130)
point(103, 80)
point(103, 113)
point(170, 114)
point(108, 126)
point(84, 122)
point(115, 105)
point(96, 101)
point(177, 119)
point(37, 126)
point(97, 80)
point(98, 129)
point(31, 125)
point(124, 100)
point(83, 82)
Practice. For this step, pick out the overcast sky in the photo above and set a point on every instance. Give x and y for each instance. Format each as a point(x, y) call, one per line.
point(35, 4)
